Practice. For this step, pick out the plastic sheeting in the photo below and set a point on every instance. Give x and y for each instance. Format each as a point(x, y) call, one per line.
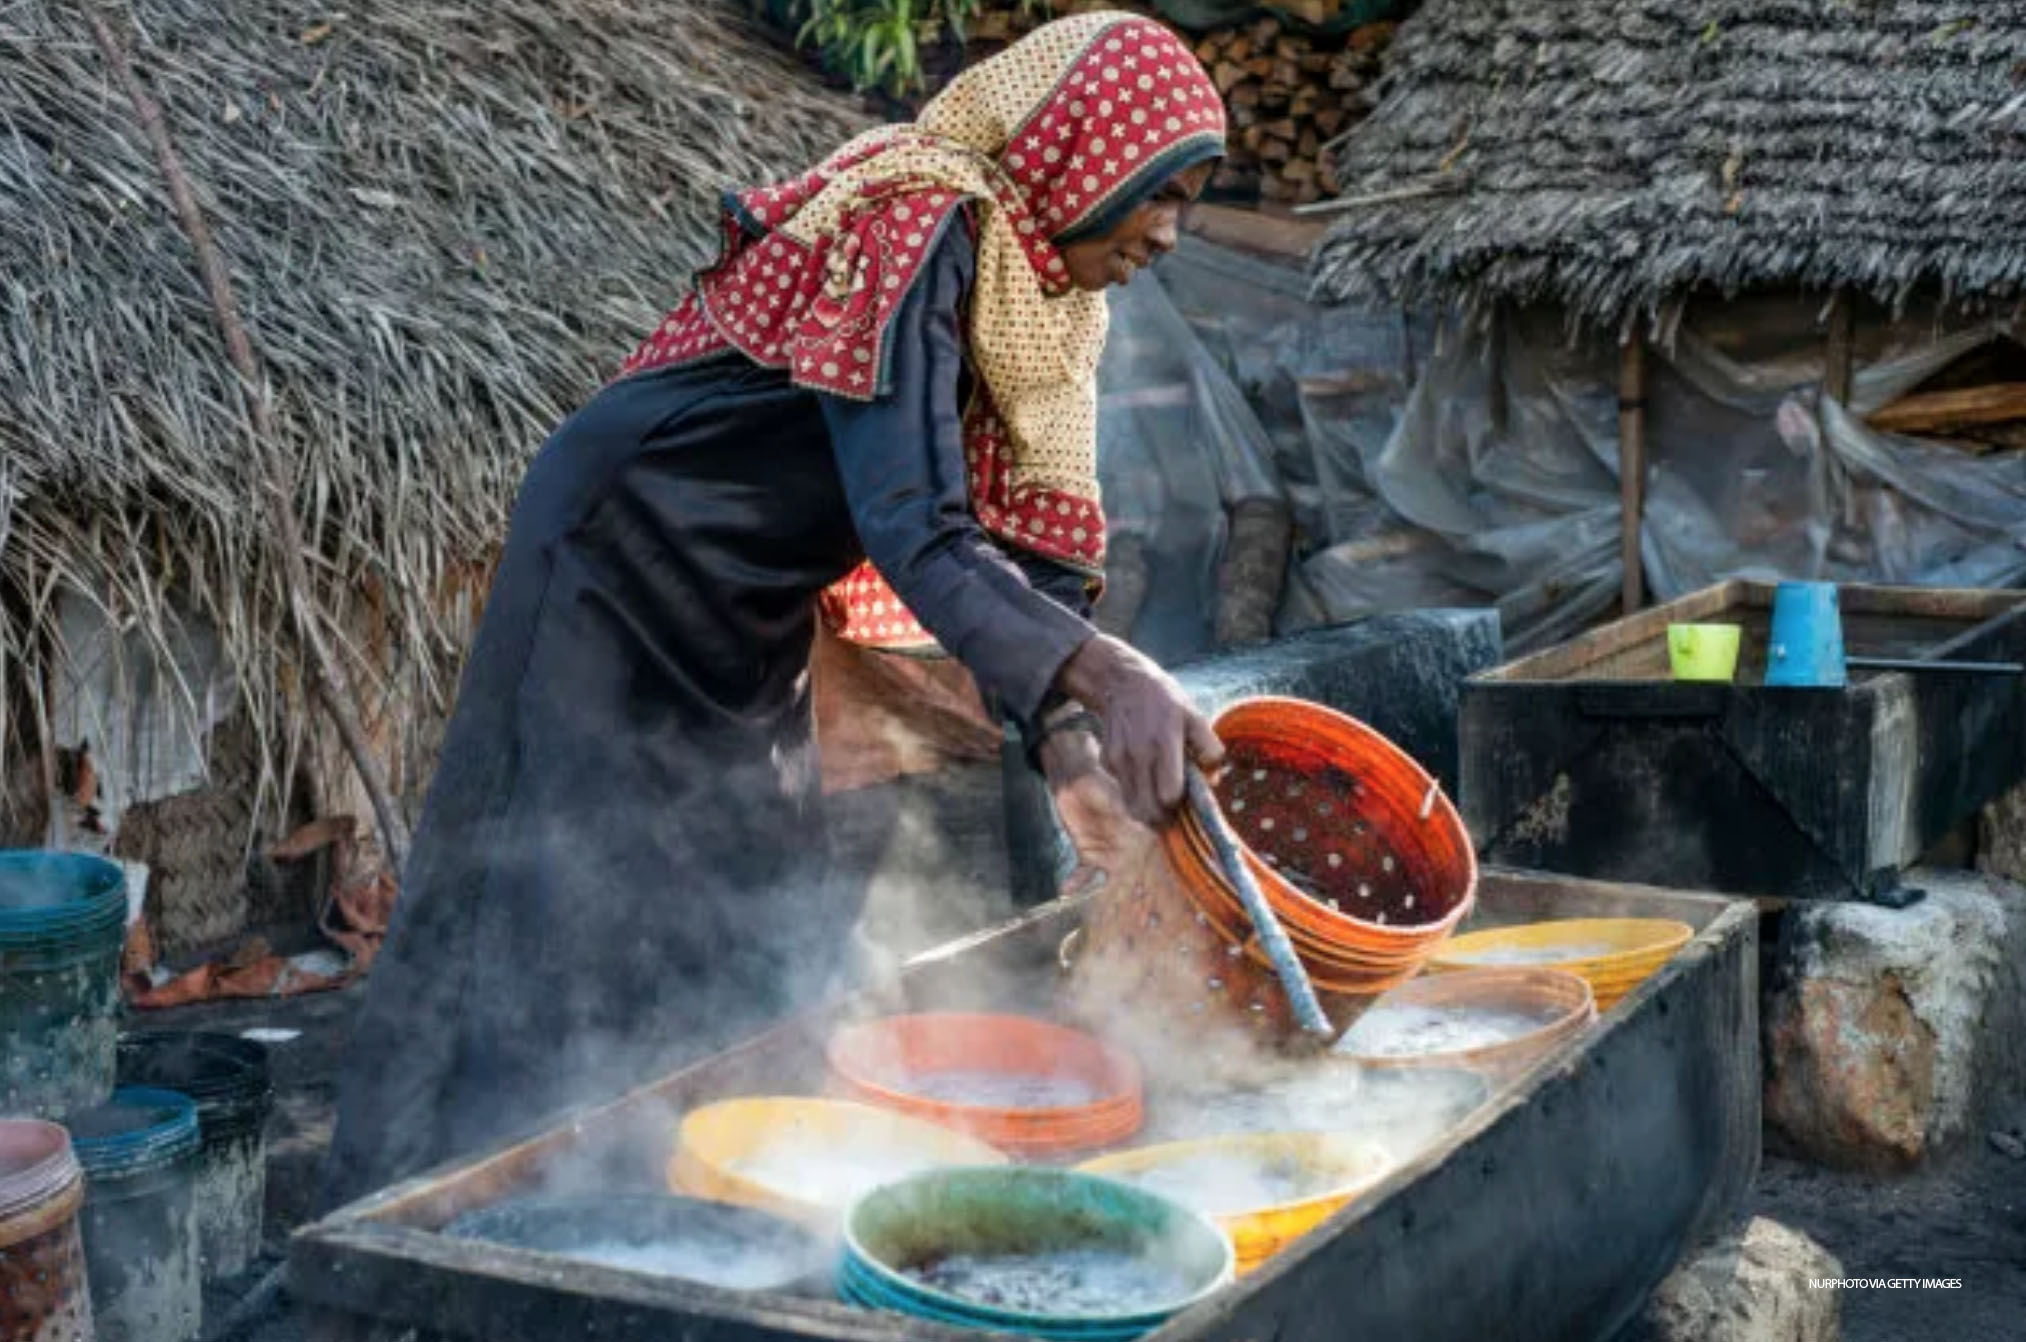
point(1755, 472)
point(1434, 463)
point(1178, 447)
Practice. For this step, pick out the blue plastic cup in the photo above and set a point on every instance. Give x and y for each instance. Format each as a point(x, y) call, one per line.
point(1807, 639)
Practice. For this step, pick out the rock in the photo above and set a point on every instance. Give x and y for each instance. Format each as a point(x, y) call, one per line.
point(1890, 1032)
point(1751, 1286)
point(2001, 837)
point(2007, 1144)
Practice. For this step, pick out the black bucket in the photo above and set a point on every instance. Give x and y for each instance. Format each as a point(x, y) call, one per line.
point(226, 1077)
point(63, 919)
point(139, 1152)
point(734, 1248)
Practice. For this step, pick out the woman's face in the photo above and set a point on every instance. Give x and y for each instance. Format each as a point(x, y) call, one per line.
point(1149, 231)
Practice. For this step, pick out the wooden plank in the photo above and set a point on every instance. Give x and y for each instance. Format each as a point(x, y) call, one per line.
point(1937, 412)
point(1873, 616)
point(1263, 232)
point(1659, 802)
point(1816, 759)
point(1515, 895)
point(1565, 659)
point(1969, 732)
point(1587, 758)
point(1632, 468)
point(1837, 357)
point(1944, 603)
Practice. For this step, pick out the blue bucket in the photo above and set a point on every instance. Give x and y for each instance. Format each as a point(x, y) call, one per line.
point(139, 1151)
point(896, 1231)
point(63, 920)
point(1806, 649)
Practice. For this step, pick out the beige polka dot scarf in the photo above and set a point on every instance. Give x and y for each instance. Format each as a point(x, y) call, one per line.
point(1056, 138)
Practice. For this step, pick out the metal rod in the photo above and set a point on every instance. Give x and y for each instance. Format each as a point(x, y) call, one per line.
point(1910, 664)
point(1308, 1011)
point(1632, 467)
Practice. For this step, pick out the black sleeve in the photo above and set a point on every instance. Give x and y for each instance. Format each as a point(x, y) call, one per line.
point(902, 461)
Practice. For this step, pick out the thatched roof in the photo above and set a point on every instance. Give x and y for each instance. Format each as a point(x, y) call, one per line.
point(446, 220)
point(1608, 154)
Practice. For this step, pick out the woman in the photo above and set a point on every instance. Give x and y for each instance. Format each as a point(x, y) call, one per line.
point(894, 361)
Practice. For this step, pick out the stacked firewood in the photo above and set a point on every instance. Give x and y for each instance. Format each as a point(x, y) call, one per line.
point(1289, 95)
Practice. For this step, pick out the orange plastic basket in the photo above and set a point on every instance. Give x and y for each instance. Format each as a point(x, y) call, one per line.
point(1356, 848)
point(893, 1062)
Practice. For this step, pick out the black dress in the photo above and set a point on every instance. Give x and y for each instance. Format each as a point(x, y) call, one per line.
point(621, 864)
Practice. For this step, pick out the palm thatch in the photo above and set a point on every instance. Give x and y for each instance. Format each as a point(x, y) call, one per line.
point(445, 221)
point(1611, 154)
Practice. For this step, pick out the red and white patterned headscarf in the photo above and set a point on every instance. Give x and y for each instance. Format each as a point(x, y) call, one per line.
point(1056, 138)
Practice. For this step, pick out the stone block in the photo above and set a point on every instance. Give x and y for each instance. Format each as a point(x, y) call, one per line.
point(2001, 837)
point(1750, 1286)
point(1892, 1033)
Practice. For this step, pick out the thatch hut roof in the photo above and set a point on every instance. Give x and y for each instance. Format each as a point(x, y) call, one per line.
point(446, 221)
point(1609, 154)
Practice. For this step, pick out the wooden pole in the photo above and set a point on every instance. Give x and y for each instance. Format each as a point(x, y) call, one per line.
point(1632, 465)
point(1837, 365)
point(334, 685)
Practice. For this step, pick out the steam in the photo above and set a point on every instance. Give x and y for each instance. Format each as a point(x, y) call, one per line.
point(1222, 1183)
point(822, 931)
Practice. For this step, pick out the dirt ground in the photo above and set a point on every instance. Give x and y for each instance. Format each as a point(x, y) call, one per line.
point(1963, 1217)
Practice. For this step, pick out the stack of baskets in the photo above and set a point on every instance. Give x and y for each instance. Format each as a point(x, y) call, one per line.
point(880, 1063)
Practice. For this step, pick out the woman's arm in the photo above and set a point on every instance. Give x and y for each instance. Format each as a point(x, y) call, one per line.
point(902, 462)
point(901, 459)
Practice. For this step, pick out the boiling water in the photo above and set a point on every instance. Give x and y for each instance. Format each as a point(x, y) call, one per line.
point(1225, 1184)
point(1002, 1090)
point(1072, 1281)
point(727, 1263)
point(832, 1178)
point(1408, 1031)
point(1535, 955)
point(1405, 1113)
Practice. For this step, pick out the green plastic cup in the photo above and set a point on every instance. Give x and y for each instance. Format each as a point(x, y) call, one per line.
point(1704, 652)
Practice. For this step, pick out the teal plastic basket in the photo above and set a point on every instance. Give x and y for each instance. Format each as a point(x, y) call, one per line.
point(1014, 1210)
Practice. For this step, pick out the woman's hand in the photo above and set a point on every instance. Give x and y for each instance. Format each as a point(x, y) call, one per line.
point(1109, 842)
point(1151, 730)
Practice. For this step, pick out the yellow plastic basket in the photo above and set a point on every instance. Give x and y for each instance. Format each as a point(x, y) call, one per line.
point(1344, 1166)
point(808, 1159)
point(1615, 955)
